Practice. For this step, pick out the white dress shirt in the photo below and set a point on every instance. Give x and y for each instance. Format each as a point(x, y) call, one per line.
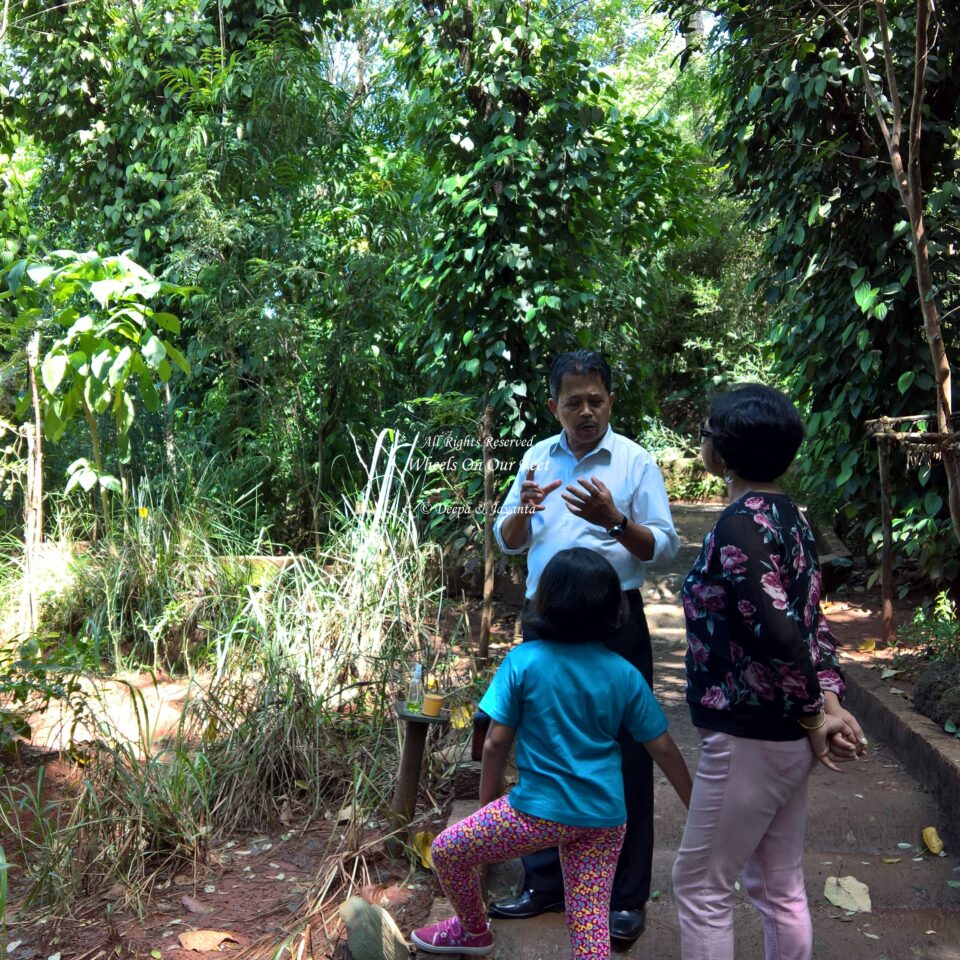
point(637, 487)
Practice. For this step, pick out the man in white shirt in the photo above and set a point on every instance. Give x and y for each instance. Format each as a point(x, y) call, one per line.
point(613, 501)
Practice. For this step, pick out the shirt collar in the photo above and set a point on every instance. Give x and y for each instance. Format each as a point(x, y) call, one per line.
point(560, 443)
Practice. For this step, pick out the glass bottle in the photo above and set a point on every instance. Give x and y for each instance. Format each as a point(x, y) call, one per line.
point(415, 690)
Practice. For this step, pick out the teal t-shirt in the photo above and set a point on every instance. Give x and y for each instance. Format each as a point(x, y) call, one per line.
point(567, 702)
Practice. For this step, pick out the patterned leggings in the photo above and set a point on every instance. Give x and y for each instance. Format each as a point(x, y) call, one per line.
point(497, 832)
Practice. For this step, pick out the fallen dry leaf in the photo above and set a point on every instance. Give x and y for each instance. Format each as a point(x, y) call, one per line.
point(888, 673)
point(461, 717)
point(892, 859)
point(194, 906)
point(848, 893)
point(206, 939)
point(422, 843)
point(867, 645)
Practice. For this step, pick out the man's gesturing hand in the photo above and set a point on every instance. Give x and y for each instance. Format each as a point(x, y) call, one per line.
point(532, 494)
point(592, 501)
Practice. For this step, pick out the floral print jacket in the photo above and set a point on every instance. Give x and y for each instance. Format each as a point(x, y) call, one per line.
point(759, 649)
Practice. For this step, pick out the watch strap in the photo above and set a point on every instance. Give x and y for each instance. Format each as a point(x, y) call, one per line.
point(618, 528)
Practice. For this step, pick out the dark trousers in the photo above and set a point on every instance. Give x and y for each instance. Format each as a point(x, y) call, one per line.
point(631, 883)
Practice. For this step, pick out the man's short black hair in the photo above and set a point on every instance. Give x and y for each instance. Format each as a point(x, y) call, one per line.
point(580, 363)
point(756, 430)
point(578, 599)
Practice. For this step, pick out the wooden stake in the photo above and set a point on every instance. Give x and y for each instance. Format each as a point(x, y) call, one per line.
point(886, 555)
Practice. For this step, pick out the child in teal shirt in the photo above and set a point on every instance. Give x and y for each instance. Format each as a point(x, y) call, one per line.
point(564, 698)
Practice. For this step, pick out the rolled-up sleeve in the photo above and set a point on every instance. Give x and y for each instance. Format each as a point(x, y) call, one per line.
point(509, 506)
point(650, 507)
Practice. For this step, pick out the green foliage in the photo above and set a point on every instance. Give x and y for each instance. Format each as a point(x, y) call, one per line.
point(937, 630)
point(162, 586)
point(111, 341)
point(32, 676)
point(327, 639)
point(537, 177)
point(805, 153)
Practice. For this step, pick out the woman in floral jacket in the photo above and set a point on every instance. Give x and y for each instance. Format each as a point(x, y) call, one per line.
point(763, 684)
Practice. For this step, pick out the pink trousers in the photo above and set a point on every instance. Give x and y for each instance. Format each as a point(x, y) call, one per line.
point(498, 832)
point(747, 813)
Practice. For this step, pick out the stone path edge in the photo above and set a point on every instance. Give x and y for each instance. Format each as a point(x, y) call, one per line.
point(927, 753)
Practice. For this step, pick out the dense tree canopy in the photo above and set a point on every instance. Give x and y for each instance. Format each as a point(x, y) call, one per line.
point(382, 201)
point(805, 151)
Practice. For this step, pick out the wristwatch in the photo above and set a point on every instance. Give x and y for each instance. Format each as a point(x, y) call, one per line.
point(617, 529)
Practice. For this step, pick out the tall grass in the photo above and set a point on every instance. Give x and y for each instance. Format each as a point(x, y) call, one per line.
point(290, 706)
point(161, 584)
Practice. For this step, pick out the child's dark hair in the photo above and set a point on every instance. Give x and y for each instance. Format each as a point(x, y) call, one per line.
point(756, 430)
point(578, 599)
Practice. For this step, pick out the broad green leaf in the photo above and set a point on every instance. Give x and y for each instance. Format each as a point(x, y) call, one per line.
point(865, 295)
point(906, 380)
point(39, 273)
point(110, 483)
point(167, 321)
point(52, 369)
point(178, 358)
point(101, 363)
point(151, 399)
point(87, 479)
point(104, 290)
point(153, 351)
point(119, 367)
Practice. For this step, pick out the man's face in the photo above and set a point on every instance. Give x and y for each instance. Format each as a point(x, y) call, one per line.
point(583, 409)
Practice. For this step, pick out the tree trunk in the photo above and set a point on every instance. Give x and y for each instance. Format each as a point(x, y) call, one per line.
point(910, 185)
point(486, 616)
point(98, 463)
point(169, 446)
point(33, 498)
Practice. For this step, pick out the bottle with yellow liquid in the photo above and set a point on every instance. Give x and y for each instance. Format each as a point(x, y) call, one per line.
point(415, 690)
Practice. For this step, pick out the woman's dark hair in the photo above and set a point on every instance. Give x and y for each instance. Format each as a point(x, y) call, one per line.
point(756, 430)
point(579, 363)
point(578, 599)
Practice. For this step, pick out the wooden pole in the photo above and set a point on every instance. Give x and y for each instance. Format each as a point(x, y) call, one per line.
point(886, 555)
point(486, 615)
point(411, 763)
point(33, 499)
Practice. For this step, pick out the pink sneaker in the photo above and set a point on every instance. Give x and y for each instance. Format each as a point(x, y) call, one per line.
point(448, 936)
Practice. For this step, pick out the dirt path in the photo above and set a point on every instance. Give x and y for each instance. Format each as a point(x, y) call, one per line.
point(856, 822)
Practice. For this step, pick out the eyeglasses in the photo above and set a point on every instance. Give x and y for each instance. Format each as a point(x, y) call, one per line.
point(704, 432)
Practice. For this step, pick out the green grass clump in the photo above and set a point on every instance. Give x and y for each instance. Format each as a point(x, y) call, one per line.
point(289, 711)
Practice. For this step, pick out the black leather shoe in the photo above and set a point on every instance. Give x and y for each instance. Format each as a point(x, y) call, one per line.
point(528, 903)
point(627, 925)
